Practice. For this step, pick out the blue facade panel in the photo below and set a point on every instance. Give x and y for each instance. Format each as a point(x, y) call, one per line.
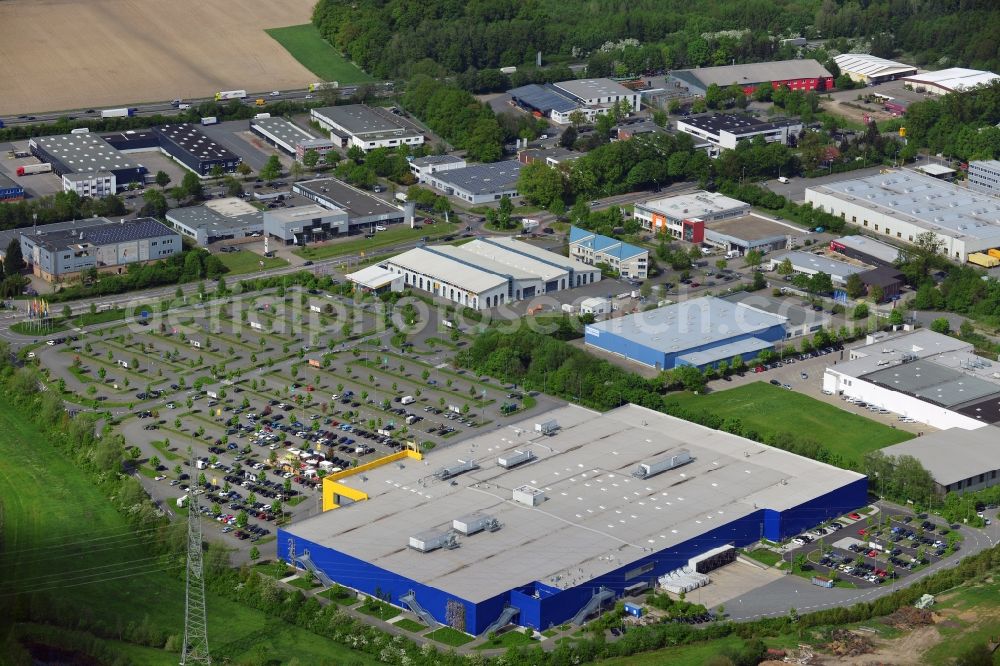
point(635, 351)
point(542, 606)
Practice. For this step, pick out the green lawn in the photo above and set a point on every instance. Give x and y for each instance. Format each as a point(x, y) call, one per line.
point(306, 45)
point(50, 507)
point(340, 596)
point(396, 234)
point(245, 261)
point(379, 609)
point(764, 556)
point(770, 409)
point(303, 583)
point(409, 625)
point(509, 639)
point(449, 636)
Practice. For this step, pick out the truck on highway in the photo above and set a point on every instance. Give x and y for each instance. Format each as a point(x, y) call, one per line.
point(29, 169)
point(209, 120)
point(230, 94)
point(118, 113)
point(183, 107)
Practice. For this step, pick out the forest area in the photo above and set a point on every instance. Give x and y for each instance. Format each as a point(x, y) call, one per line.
point(401, 38)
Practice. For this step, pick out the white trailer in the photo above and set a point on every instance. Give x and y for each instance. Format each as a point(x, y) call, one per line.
point(230, 94)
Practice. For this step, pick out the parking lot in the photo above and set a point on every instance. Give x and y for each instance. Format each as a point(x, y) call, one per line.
point(248, 401)
point(874, 549)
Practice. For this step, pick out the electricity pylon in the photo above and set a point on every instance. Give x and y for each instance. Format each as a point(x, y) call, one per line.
point(195, 649)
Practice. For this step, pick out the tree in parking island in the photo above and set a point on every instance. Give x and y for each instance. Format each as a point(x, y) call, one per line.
point(271, 169)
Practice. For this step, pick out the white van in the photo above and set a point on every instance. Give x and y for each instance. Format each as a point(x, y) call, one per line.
point(407, 400)
point(782, 179)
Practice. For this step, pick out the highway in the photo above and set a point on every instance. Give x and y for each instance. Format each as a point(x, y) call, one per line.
point(167, 108)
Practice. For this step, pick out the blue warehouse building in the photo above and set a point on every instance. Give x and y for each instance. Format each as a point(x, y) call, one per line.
point(10, 190)
point(189, 146)
point(701, 332)
point(543, 523)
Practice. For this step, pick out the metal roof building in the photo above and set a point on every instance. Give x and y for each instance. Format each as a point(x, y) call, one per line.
point(631, 261)
point(600, 503)
point(289, 137)
point(366, 127)
point(800, 321)
point(750, 232)
point(478, 183)
point(669, 213)
point(543, 98)
point(488, 272)
point(868, 250)
point(933, 378)
point(959, 460)
point(57, 255)
point(805, 74)
point(218, 220)
point(867, 68)
point(364, 210)
point(810, 264)
point(85, 153)
point(700, 332)
point(189, 146)
point(953, 79)
point(903, 204)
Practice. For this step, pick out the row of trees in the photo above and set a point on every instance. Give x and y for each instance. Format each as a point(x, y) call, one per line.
point(457, 116)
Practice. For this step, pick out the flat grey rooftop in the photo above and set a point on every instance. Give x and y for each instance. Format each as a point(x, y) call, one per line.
point(428, 160)
point(585, 89)
point(688, 324)
point(364, 121)
point(105, 234)
point(871, 247)
point(955, 454)
point(796, 314)
point(923, 201)
point(807, 261)
point(751, 73)
point(283, 130)
point(357, 203)
point(84, 152)
point(7, 235)
point(933, 382)
point(596, 517)
point(890, 350)
point(193, 141)
point(483, 178)
point(204, 217)
point(749, 228)
point(696, 204)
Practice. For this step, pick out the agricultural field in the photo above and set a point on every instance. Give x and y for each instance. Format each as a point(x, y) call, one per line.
point(306, 45)
point(136, 52)
point(772, 409)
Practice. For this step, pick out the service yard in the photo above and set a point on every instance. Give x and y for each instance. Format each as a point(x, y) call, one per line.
point(67, 55)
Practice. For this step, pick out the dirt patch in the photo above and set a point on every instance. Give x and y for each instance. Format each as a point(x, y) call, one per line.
point(903, 651)
point(68, 54)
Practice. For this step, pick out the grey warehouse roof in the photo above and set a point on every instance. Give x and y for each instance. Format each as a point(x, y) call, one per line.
point(871, 66)
point(7, 235)
point(84, 152)
point(697, 204)
point(752, 73)
point(428, 160)
point(203, 217)
point(356, 202)
point(283, 130)
point(933, 382)
point(736, 124)
point(596, 516)
point(362, 120)
point(871, 247)
point(795, 314)
point(803, 261)
point(688, 324)
point(585, 89)
point(106, 234)
point(543, 98)
point(923, 201)
point(955, 454)
point(483, 178)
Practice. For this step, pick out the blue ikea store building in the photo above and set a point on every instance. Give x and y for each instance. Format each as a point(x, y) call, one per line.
point(572, 524)
point(701, 332)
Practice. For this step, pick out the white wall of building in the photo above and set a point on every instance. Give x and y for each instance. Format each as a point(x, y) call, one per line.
point(896, 402)
point(91, 185)
point(889, 226)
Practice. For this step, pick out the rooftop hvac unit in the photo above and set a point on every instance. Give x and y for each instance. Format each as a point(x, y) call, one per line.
point(528, 495)
point(547, 427)
point(512, 460)
point(475, 522)
point(461, 467)
point(667, 462)
point(425, 542)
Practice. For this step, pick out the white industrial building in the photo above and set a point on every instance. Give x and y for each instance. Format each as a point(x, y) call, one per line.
point(588, 97)
point(958, 460)
point(725, 130)
point(953, 79)
point(932, 378)
point(667, 215)
point(478, 183)
point(866, 68)
point(300, 225)
point(289, 137)
point(228, 219)
point(488, 272)
point(809, 263)
point(984, 176)
point(904, 204)
point(424, 167)
point(90, 183)
point(376, 279)
point(366, 127)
